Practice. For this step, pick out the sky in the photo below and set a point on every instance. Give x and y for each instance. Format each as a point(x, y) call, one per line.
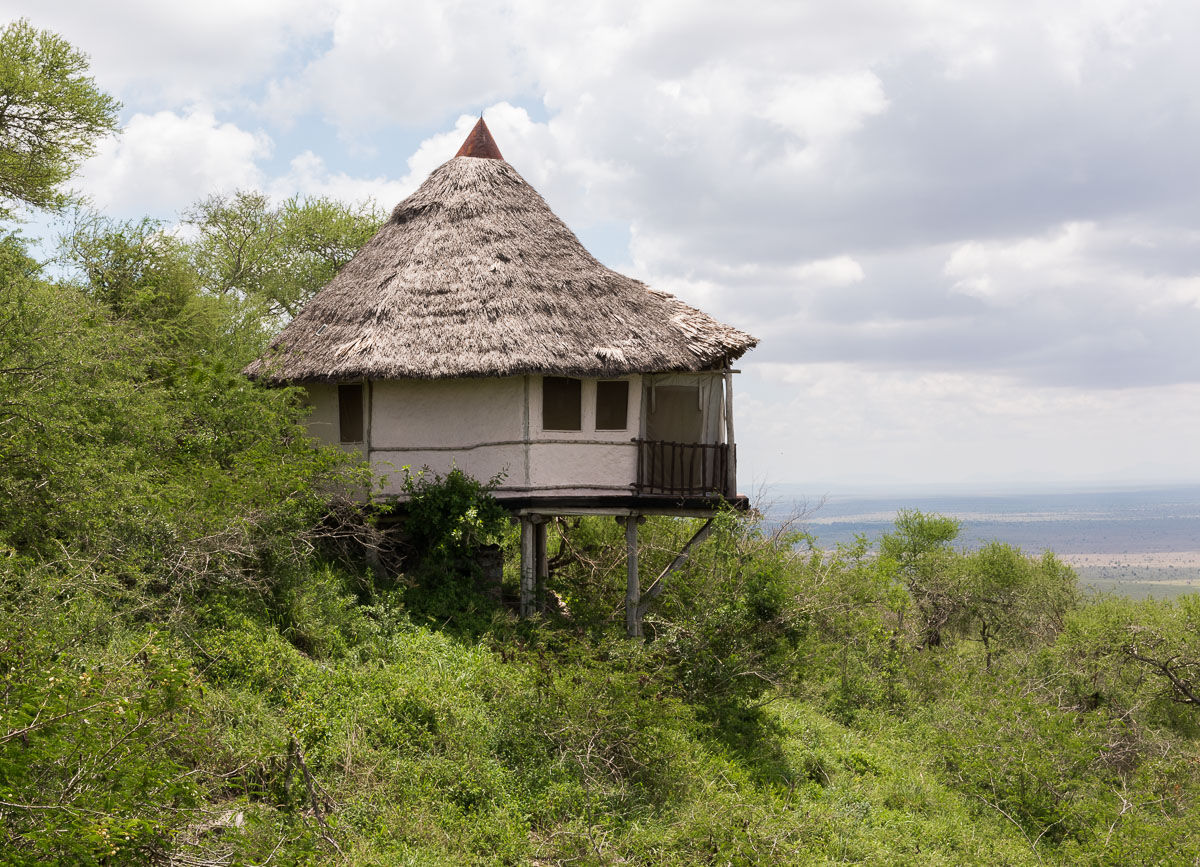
point(966, 233)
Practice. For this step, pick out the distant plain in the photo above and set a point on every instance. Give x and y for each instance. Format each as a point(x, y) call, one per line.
point(1135, 542)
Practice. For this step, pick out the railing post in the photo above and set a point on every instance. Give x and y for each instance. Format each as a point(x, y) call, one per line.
point(640, 479)
point(731, 458)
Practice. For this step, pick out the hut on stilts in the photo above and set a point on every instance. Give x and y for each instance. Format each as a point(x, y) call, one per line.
point(474, 330)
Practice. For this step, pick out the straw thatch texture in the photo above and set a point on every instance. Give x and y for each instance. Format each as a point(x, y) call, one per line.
point(473, 275)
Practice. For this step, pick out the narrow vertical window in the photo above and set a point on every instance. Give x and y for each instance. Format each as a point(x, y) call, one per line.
point(562, 403)
point(350, 413)
point(612, 404)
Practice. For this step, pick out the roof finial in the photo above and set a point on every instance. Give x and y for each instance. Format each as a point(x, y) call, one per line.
point(480, 143)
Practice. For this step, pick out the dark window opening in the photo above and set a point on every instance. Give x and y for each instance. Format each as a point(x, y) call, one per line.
point(350, 413)
point(674, 414)
point(561, 403)
point(612, 404)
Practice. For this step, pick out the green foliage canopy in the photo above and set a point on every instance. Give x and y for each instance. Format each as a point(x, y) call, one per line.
point(919, 549)
point(137, 268)
point(276, 257)
point(51, 115)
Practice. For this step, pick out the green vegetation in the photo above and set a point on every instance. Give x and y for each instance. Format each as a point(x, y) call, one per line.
point(51, 116)
point(276, 257)
point(208, 655)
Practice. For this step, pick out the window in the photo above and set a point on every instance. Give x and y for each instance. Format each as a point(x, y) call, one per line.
point(612, 404)
point(350, 413)
point(674, 414)
point(561, 403)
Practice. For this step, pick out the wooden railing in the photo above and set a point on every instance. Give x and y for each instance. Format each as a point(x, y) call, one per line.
point(683, 469)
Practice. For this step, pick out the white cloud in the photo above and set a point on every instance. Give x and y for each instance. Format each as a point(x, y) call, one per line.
point(764, 298)
point(162, 162)
point(405, 64)
point(1074, 265)
point(181, 52)
point(825, 108)
point(547, 154)
point(835, 271)
point(308, 175)
point(842, 423)
point(1008, 271)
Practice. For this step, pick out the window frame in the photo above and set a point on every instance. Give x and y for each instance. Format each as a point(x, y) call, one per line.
point(624, 405)
point(578, 399)
point(344, 389)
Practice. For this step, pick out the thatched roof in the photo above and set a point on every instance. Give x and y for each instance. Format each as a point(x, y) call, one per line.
point(473, 275)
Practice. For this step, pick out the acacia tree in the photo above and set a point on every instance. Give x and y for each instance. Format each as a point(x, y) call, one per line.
point(137, 268)
point(997, 595)
point(919, 549)
point(1010, 598)
point(276, 257)
point(51, 116)
point(1168, 645)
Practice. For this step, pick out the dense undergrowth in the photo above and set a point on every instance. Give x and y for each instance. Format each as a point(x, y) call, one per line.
point(782, 712)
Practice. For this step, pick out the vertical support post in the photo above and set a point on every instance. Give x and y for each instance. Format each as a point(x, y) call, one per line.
point(541, 562)
point(731, 461)
point(633, 590)
point(528, 558)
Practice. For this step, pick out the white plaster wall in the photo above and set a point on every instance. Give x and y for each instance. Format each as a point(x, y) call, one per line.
point(586, 460)
point(446, 412)
point(559, 465)
point(482, 463)
point(322, 422)
point(480, 427)
point(477, 425)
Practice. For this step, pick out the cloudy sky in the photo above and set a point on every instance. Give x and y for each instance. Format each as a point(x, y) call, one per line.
point(966, 233)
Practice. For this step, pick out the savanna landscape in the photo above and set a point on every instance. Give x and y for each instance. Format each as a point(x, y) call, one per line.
point(215, 650)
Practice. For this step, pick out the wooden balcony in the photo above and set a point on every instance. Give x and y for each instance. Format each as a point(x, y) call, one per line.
point(684, 469)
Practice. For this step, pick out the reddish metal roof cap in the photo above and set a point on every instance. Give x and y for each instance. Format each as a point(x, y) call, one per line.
point(480, 144)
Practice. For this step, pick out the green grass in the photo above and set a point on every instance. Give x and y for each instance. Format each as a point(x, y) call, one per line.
point(1141, 582)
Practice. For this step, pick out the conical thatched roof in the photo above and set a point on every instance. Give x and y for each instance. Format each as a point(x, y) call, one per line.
point(473, 275)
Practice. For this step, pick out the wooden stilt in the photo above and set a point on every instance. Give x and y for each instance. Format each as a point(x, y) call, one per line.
point(541, 563)
point(633, 593)
point(528, 563)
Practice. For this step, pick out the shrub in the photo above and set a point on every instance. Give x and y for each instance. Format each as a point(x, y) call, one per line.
point(447, 519)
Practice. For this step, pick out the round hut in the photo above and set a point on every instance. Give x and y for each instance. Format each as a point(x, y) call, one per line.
point(474, 330)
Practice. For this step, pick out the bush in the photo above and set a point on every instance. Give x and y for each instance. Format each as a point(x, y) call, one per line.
point(447, 519)
point(100, 728)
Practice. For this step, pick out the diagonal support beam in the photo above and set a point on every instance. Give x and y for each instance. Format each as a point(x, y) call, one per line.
point(655, 589)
